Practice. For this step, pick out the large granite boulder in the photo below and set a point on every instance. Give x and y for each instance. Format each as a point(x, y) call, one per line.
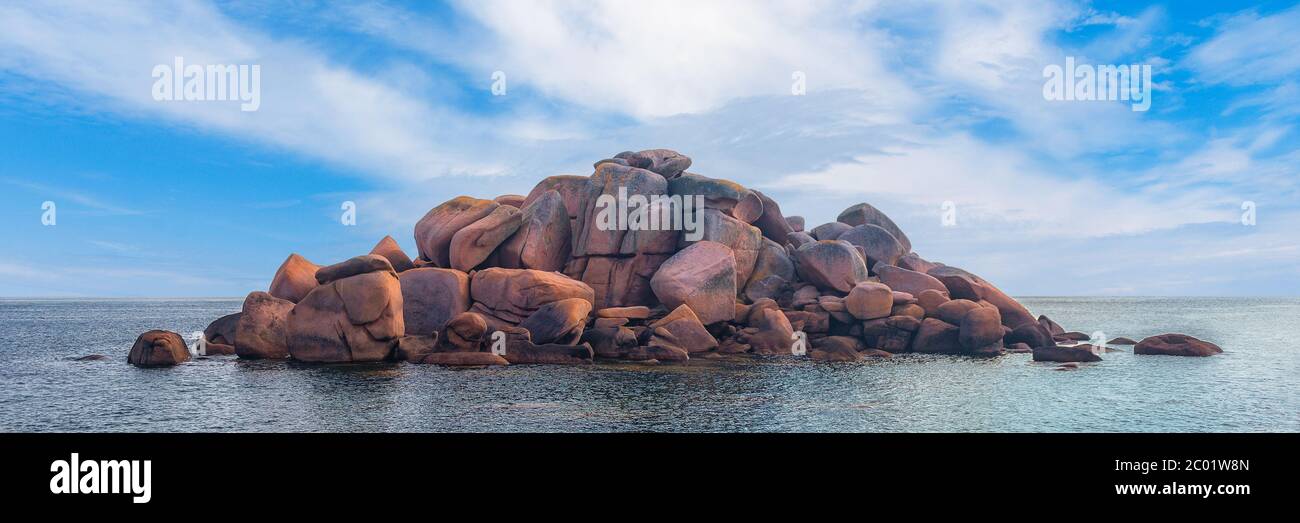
point(471, 245)
point(726, 196)
point(263, 328)
point(1176, 345)
point(431, 296)
point(619, 281)
point(620, 236)
point(869, 300)
point(570, 187)
point(799, 238)
point(559, 322)
point(222, 330)
point(1055, 328)
point(744, 239)
point(864, 213)
point(610, 342)
point(960, 284)
point(464, 332)
point(686, 328)
point(879, 244)
point(796, 222)
point(772, 223)
point(667, 163)
point(352, 267)
point(830, 231)
point(1032, 334)
point(542, 241)
point(930, 300)
point(908, 281)
point(773, 271)
point(294, 279)
point(893, 334)
point(354, 315)
point(515, 294)
point(769, 333)
point(831, 265)
point(603, 230)
point(914, 262)
point(158, 348)
point(391, 251)
point(952, 311)
point(513, 200)
point(1013, 313)
point(981, 330)
point(937, 337)
point(414, 348)
point(701, 276)
point(434, 232)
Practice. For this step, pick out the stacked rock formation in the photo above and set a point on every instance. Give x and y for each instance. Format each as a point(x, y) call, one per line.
point(550, 278)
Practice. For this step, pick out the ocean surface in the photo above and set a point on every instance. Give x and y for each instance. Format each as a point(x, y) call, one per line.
point(1253, 386)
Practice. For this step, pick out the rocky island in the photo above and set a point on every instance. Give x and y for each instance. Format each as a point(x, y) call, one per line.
point(639, 261)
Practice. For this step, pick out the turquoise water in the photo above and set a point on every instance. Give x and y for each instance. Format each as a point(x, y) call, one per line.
point(1251, 387)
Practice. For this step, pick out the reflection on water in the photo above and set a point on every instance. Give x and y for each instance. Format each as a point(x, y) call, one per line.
point(1252, 387)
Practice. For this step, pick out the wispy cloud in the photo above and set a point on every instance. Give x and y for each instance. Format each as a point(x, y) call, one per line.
point(1249, 48)
point(58, 195)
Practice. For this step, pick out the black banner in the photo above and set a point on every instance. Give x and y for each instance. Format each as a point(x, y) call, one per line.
point(328, 471)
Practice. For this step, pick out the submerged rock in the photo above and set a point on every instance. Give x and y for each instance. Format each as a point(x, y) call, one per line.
point(1065, 354)
point(463, 359)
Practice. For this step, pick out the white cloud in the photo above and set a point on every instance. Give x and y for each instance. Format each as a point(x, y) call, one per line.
point(1001, 189)
point(104, 53)
point(679, 56)
point(1250, 49)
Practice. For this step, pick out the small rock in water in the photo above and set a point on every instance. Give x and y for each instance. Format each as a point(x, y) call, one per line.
point(1176, 345)
point(158, 348)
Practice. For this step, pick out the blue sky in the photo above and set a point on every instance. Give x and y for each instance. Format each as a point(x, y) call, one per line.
point(907, 106)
